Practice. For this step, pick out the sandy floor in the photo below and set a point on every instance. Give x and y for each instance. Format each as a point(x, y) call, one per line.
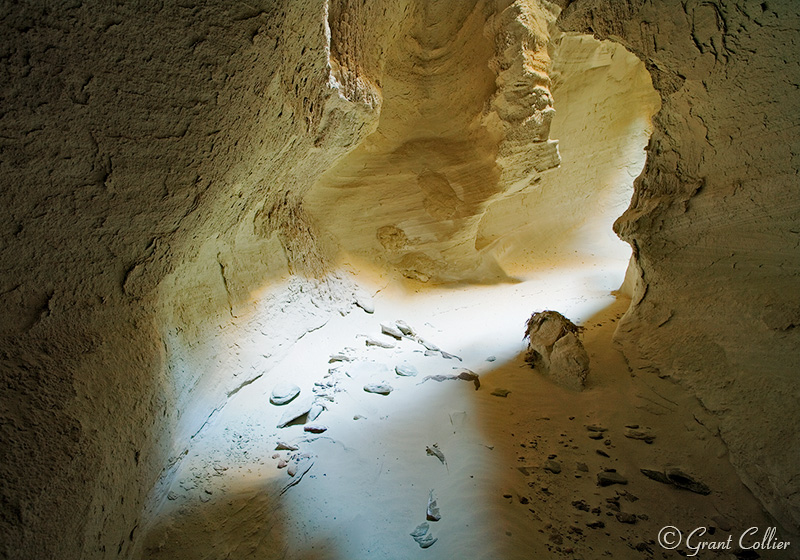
point(363, 485)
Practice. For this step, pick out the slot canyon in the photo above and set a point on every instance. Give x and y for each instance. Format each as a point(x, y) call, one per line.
point(274, 275)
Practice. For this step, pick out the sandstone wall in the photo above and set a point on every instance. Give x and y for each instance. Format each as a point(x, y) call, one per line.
point(714, 220)
point(153, 156)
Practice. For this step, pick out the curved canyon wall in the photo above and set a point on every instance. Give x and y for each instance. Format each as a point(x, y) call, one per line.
point(714, 221)
point(172, 172)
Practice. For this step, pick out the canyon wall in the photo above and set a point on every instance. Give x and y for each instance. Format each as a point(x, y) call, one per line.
point(171, 177)
point(714, 220)
point(153, 159)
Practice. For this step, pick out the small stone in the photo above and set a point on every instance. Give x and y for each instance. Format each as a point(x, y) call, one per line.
point(283, 393)
point(365, 302)
point(428, 345)
point(282, 464)
point(431, 353)
point(314, 412)
point(608, 478)
point(379, 343)
point(292, 470)
point(339, 358)
point(275, 455)
point(658, 476)
point(581, 505)
point(582, 467)
point(552, 466)
point(501, 393)
point(358, 417)
point(624, 517)
point(315, 428)
point(297, 411)
point(635, 433)
point(596, 435)
point(491, 358)
point(683, 480)
point(449, 356)
point(204, 498)
point(391, 330)
point(404, 328)
point(378, 388)
point(601, 452)
point(596, 525)
point(406, 370)
point(432, 512)
point(172, 495)
point(596, 428)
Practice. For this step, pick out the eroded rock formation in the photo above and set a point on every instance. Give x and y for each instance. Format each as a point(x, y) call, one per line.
point(175, 173)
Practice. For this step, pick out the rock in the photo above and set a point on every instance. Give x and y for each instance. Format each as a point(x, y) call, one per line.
point(282, 464)
point(434, 451)
point(624, 517)
point(596, 428)
point(406, 370)
point(583, 467)
point(314, 412)
point(315, 428)
point(432, 512)
point(449, 356)
point(339, 358)
point(378, 388)
point(491, 359)
point(596, 525)
point(172, 495)
point(607, 478)
point(365, 302)
point(658, 476)
point(554, 348)
point(421, 535)
point(292, 469)
point(641, 434)
point(431, 352)
point(379, 343)
point(601, 452)
point(428, 345)
point(283, 393)
point(358, 417)
point(552, 466)
point(297, 411)
point(581, 505)
point(683, 480)
point(501, 393)
point(468, 375)
point(391, 330)
point(596, 435)
point(403, 327)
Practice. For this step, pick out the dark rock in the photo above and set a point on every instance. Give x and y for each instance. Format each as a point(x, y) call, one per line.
point(608, 478)
point(683, 480)
point(552, 466)
point(624, 517)
point(658, 476)
point(283, 393)
point(501, 393)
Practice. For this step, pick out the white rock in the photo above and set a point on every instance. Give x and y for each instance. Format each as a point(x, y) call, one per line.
point(284, 392)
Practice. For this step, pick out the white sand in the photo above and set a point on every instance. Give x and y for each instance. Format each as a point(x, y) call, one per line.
point(369, 483)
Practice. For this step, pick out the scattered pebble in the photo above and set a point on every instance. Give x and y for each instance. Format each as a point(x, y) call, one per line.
point(607, 478)
point(379, 343)
point(391, 330)
point(406, 370)
point(315, 428)
point(596, 435)
point(641, 434)
point(491, 358)
point(624, 517)
point(283, 393)
point(432, 512)
point(501, 393)
point(404, 328)
point(596, 428)
point(434, 451)
point(552, 466)
point(422, 536)
point(378, 388)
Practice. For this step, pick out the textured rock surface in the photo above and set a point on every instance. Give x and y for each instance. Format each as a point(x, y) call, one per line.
point(555, 349)
point(714, 220)
point(158, 159)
